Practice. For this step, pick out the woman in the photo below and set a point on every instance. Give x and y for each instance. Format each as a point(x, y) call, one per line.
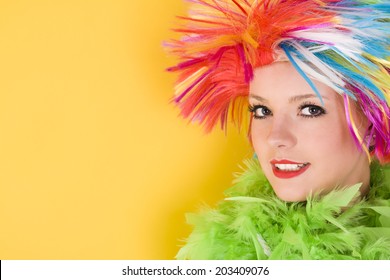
point(315, 75)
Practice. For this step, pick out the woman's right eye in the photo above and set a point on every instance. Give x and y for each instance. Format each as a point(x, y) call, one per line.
point(260, 111)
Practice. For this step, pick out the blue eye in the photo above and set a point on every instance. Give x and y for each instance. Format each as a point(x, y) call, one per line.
point(260, 111)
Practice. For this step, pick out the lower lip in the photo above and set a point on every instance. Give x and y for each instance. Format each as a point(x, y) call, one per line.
point(283, 174)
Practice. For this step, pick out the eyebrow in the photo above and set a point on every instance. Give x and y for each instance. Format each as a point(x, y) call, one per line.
point(292, 99)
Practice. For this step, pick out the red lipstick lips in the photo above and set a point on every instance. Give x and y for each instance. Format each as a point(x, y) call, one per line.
point(285, 169)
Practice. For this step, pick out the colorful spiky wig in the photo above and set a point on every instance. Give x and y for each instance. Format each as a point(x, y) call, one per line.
point(344, 44)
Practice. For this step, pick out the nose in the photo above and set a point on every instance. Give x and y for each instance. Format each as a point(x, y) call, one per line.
point(281, 134)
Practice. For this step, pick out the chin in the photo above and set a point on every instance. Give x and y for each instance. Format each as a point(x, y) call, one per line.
point(290, 195)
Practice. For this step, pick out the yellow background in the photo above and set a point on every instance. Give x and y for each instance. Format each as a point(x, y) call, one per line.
point(94, 162)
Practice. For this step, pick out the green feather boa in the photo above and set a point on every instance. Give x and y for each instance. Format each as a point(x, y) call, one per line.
point(252, 223)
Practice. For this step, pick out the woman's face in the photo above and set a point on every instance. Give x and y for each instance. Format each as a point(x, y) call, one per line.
point(303, 146)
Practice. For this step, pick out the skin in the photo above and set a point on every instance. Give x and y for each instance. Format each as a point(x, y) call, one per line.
point(290, 123)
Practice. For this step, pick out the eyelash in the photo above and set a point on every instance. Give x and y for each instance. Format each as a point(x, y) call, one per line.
point(254, 108)
point(322, 111)
point(304, 105)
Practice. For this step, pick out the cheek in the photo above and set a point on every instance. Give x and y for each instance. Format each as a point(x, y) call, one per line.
point(334, 145)
point(258, 138)
point(260, 146)
point(325, 136)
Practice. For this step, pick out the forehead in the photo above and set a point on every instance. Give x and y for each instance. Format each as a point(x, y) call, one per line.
point(281, 81)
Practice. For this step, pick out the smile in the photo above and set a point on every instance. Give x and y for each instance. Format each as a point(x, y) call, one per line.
point(286, 169)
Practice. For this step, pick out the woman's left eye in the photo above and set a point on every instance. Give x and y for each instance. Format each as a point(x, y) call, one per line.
point(311, 111)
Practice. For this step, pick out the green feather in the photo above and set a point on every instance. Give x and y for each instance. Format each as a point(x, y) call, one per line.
point(252, 223)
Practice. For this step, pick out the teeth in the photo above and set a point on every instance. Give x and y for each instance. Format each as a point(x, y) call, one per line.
point(290, 167)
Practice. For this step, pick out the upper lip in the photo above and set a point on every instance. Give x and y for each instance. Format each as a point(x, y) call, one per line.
point(285, 161)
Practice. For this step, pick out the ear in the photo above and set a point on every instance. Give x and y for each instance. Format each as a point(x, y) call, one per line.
point(370, 138)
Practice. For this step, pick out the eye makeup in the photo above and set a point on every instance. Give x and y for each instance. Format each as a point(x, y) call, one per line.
point(307, 110)
point(259, 111)
point(310, 110)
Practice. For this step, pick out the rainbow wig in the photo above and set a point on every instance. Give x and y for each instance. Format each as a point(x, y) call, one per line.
point(344, 44)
